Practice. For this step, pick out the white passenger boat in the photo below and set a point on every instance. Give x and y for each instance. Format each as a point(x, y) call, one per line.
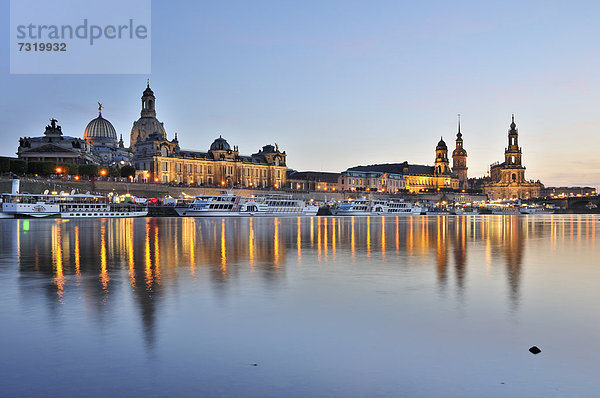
point(368, 207)
point(67, 206)
point(230, 205)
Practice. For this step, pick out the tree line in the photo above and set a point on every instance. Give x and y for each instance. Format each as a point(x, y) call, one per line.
point(22, 167)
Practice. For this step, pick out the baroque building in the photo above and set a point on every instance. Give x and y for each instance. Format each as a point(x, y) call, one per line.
point(158, 159)
point(507, 179)
point(102, 136)
point(55, 147)
point(404, 176)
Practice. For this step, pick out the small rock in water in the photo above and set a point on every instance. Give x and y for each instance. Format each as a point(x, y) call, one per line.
point(254, 364)
point(535, 350)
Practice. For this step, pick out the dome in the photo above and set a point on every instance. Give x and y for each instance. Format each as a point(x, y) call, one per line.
point(220, 144)
point(459, 152)
point(100, 129)
point(441, 144)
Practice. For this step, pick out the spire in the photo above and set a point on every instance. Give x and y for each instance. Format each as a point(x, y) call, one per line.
point(147, 83)
point(459, 134)
point(99, 108)
point(512, 124)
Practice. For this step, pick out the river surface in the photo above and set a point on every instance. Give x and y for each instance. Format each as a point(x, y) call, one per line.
point(298, 307)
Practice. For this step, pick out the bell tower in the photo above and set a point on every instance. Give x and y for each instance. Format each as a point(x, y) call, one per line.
point(512, 154)
point(148, 102)
point(441, 159)
point(459, 160)
point(513, 171)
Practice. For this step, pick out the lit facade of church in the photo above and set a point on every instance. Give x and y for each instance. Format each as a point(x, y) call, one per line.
point(413, 178)
point(158, 159)
point(507, 179)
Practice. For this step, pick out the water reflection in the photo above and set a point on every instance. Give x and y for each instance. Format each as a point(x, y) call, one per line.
point(153, 256)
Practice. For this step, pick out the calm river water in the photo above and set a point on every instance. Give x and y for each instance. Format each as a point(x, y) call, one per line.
point(321, 306)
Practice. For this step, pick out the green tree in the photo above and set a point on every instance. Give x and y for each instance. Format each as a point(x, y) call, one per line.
point(4, 165)
point(18, 166)
point(89, 170)
point(114, 172)
point(127, 171)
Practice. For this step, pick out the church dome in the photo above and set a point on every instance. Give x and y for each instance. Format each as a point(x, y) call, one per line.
point(441, 145)
point(220, 144)
point(100, 129)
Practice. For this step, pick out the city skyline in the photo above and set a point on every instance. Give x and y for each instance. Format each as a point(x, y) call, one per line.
point(374, 86)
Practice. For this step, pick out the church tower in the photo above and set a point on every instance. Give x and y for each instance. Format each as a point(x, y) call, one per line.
point(459, 160)
point(441, 159)
point(148, 102)
point(515, 172)
point(147, 126)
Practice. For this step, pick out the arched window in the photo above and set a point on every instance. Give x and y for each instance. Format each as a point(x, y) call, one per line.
point(164, 151)
point(514, 177)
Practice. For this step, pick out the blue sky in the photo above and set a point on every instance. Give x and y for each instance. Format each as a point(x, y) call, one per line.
point(343, 83)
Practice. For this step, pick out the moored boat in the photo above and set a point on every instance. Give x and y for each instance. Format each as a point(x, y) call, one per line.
point(67, 206)
point(367, 207)
point(230, 205)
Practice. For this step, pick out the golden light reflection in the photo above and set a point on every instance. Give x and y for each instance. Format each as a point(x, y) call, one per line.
point(251, 244)
point(352, 238)
point(130, 254)
point(104, 278)
point(191, 236)
point(299, 239)
point(147, 258)
point(312, 231)
point(325, 237)
point(319, 239)
point(77, 252)
point(398, 233)
point(157, 255)
point(382, 236)
point(368, 236)
point(276, 243)
point(223, 249)
point(333, 237)
point(59, 278)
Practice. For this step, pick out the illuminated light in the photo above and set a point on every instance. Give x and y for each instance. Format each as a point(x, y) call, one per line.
point(102, 172)
point(276, 186)
point(76, 178)
point(298, 186)
point(58, 170)
point(156, 180)
point(25, 225)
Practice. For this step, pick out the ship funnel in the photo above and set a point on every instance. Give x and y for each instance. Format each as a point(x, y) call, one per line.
point(15, 186)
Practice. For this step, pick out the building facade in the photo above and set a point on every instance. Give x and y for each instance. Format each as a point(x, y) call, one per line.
point(158, 159)
point(55, 147)
point(413, 178)
point(361, 179)
point(312, 181)
point(507, 179)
